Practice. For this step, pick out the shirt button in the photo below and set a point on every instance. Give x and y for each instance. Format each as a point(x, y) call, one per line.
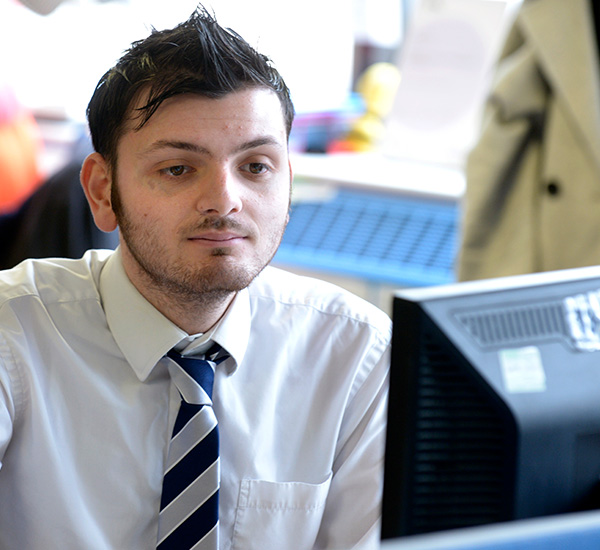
point(553, 188)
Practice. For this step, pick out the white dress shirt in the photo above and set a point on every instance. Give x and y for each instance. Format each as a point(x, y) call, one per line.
point(87, 407)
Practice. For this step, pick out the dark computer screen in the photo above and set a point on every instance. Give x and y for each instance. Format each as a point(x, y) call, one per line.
point(494, 409)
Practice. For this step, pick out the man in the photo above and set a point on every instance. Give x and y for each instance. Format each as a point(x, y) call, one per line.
point(190, 134)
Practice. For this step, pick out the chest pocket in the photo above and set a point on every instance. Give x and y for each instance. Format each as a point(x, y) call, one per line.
point(271, 515)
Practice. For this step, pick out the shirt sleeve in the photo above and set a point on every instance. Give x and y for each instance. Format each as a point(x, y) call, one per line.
point(10, 395)
point(352, 513)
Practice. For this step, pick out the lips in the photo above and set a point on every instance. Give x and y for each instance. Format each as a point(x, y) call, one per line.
point(218, 237)
point(218, 231)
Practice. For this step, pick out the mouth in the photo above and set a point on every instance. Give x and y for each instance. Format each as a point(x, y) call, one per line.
point(219, 238)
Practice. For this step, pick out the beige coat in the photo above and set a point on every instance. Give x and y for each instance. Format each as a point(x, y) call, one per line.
point(537, 211)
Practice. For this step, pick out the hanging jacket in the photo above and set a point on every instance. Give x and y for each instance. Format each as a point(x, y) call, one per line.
point(532, 201)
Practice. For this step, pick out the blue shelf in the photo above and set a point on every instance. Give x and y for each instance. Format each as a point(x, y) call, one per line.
point(383, 238)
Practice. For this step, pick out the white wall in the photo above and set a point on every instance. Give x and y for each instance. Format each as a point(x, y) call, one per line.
point(54, 61)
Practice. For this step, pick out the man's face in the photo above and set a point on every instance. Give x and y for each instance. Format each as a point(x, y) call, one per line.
point(202, 193)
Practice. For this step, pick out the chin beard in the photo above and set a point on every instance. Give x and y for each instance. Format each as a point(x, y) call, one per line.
point(205, 285)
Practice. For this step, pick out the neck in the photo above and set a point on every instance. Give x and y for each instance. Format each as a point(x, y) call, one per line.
point(193, 314)
point(192, 311)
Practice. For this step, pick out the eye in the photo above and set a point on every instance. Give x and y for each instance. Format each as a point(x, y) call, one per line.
point(256, 168)
point(176, 171)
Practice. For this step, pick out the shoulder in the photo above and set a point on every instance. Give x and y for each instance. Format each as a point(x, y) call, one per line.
point(54, 280)
point(319, 299)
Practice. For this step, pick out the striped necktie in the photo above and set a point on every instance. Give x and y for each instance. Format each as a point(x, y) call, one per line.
point(189, 508)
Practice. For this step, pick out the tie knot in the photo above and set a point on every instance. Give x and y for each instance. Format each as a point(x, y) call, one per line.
point(199, 372)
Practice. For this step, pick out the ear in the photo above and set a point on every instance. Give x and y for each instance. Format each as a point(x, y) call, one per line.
point(96, 180)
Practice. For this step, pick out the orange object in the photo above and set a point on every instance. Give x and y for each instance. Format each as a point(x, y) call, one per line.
point(20, 146)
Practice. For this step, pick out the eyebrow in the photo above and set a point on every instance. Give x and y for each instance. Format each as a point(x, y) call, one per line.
point(195, 148)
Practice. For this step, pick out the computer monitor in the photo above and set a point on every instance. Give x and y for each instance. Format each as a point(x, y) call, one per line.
point(494, 410)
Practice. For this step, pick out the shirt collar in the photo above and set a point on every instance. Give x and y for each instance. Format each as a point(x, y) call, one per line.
point(144, 335)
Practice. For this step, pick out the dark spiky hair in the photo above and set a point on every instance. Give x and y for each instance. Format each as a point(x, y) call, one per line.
point(198, 57)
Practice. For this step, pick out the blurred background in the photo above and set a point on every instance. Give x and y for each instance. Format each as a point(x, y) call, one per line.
point(388, 96)
point(54, 61)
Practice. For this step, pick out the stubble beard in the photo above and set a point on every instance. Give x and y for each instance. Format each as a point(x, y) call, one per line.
point(205, 286)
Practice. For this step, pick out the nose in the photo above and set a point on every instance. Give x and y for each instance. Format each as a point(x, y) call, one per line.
point(220, 193)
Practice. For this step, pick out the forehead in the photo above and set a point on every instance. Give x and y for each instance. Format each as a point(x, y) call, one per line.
point(251, 106)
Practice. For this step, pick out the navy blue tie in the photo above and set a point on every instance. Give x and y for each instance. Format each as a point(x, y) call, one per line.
point(189, 508)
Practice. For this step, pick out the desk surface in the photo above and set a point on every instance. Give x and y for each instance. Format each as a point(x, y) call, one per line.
point(375, 171)
point(579, 531)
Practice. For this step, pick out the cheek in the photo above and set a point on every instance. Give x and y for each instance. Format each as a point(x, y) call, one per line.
point(268, 206)
point(282, 203)
point(147, 216)
point(278, 213)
